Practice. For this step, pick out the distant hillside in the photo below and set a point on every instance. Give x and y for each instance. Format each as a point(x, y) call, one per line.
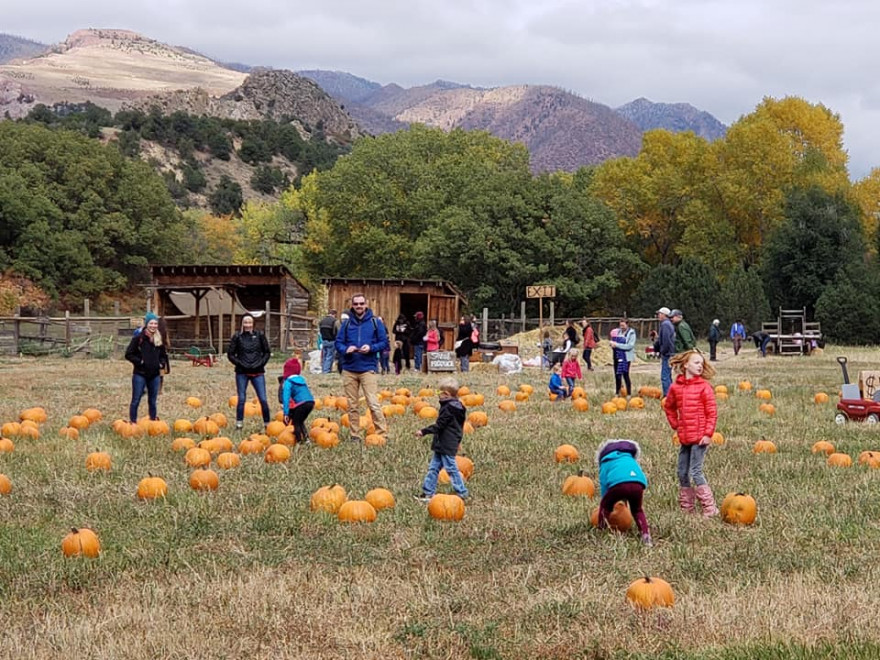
point(341, 85)
point(12, 47)
point(675, 117)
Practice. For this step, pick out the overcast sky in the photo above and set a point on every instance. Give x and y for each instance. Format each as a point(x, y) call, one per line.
point(721, 56)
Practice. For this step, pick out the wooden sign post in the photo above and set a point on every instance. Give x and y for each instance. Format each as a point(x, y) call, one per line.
point(441, 361)
point(541, 291)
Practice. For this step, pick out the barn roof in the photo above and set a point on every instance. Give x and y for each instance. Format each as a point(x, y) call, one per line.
point(276, 270)
point(386, 281)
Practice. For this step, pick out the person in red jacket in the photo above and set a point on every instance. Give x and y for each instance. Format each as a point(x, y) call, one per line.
point(571, 370)
point(691, 411)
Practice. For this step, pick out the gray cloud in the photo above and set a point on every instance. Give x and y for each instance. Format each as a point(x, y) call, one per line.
point(719, 55)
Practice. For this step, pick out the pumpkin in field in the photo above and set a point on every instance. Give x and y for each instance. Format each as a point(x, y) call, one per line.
point(528, 389)
point(521, 396)
point(722, 396)
point(36, 414)
point(636, 403)
point(764, 395)
point(648, 592)
point(578, 485)
point(193, 402)
point(232, 402)
point(197, 457)
point(464, 390)
point(158, 427)
point(566, 454)
point(400, 400)
point(81, 542)
point(869, 458)
point(820, 397)
point(553, 396)
point(328, 498)
point(477, 399)
point(30, 429)
point(767, 408)
point(204, 479)
point(93, 415)
point(763, 446)
point(620, 519)
point(5, 485)
point(507, 405)
point(356, 511)
point(182, 444)
point(446, 507)
point(721, 389)
point(218, 444)
point(468, 428)
point(465, 467)
point(149, 488)
point(182, 426)
point(744, 386)
point(375, 440)
point(503, 390)
point(251, 409)
point(219, 419)
point(739, 509)
point(206, 426)
point(98, 460)
point(274, 429)
point(717, 438)
point(619, 402)
point(277, 453)
point(10, 429)
point(478, 418)
point(428, 412)
point(380, 498)
point(609, 408)
point(228, 460)
point(823, 446)
point(250, 446)
point(69, 432)
point(578, 393)
point(425, 392)
point(649, 392)
point(6, 446)
point(839, 460)
point(79, 422)
point(341, 403)
point(326, 439)
point(675, 439)
point(581, 405)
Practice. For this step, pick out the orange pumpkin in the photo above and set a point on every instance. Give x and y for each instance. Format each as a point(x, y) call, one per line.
point(446, 507)
point(204, 479)
point(578, 485)
point(182, 444)
point(820, 397)
point(380, 498)
point(81, 542)
point(5, 485)
point(150, 488)
point(566, 454)
point(193, 402)
point(503, 390)
point(356, 511)
point(839, 460)
point(277, 453)
point(507, 405)
point(581, 405)
point(465, 468)
point(823, 446)
point(228, 460)
point(36, 414)
point(98, 460)
point(764, 447)
point(328, 498)
point(6, 446)
point(648, 592)
point(197, 457)
point(739, 509)
point(620, 519)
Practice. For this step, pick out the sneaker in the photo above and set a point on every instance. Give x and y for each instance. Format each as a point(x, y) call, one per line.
point(239, 425)
point(646, 539)
point(423, 499)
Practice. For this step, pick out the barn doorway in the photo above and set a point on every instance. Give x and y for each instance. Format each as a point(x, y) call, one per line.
point(410, 303)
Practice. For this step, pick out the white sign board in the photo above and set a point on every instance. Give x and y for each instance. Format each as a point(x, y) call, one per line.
point(441, 361)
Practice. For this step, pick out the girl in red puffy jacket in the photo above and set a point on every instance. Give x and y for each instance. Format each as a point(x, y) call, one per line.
point(691, 411)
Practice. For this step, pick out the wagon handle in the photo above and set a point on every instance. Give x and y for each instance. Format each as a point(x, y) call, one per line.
point(842, 361)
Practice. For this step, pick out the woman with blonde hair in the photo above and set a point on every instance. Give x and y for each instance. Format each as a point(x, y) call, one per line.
point(147, 353)
point(249, 352)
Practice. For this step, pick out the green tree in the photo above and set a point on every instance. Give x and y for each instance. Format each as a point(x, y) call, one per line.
point(226, 198)
point(743, 298)
point(820, 235)
point(848, 309)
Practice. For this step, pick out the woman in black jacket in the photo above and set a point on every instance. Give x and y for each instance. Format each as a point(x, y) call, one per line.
point(146, 351)
point(463, 344)
point(401, 334)
point(249, 352)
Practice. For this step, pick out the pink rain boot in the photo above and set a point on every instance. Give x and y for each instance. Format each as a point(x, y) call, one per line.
point(686, 497)
point(707, 500)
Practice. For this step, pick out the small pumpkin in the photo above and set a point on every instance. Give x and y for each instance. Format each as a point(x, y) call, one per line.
point(609, 408)
point(744, 386)
point(328, 498)
point(767, 408)
point(204, 479)
point(839, 460)
point(566, 454)
point(578, 485)
point(578, 393)
point(197, 457)
point(274, 429)
point(193, 402)
point(220, 420)
point(182, 444)
point(764, 395)
point(636, 403)
point(478, 418)
point(823, 447)
point(79, 422)
point(428, 412)
point(446, 507)
point(521, 396)
point(228, 460)
point(150, 488)
point(739, 509)
point(182, 426)
point(648, 592)
point(507, 405)
point(5, 485)
point(81, 542)
point(277, 453)
point(820, 397)
point(580, 405)
point(721, 389)
point(380, 498)
point(6, 446)
point(356, 511)
point(502, 390)
point(376, 440)
point(620, 519)
point(528, 389)
point(10, 429)
point(326, 439)
point(98, 460)
point(763, 446)
point(717, 438)
point(36, 414)
point(465, 468)
point(93, 415)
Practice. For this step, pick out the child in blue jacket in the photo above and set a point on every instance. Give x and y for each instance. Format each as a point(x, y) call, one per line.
point(621, 478)
point(556, 384)
point(298, 404)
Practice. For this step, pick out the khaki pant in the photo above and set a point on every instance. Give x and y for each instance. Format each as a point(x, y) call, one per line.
point(368, 381)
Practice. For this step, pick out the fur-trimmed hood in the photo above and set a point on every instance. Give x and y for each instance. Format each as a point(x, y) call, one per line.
point(618, 444)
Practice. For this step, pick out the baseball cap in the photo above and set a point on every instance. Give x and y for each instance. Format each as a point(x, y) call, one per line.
point(664, 310)
point(676, 312)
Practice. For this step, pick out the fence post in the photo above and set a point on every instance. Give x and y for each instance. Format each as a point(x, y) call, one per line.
point(522, 314)
point(485, 333)
point(16, 330)
point(67, 329)
point(552, 314)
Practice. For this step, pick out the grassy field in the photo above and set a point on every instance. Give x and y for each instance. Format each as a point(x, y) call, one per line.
point(249, 571)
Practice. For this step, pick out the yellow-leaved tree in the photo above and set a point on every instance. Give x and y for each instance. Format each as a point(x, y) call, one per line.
point(866, 193)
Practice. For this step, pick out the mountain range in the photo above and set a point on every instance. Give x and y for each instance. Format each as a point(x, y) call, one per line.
point(119, 68)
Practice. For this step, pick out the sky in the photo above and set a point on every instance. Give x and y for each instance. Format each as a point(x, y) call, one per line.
point(720, 56)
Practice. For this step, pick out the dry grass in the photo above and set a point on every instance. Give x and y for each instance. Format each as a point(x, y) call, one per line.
point(248, 571)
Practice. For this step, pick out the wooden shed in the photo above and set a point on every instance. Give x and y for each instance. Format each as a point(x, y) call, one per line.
point(203, 304)
point(439, 300)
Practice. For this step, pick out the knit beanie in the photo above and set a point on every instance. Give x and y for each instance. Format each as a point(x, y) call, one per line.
point(150, 317)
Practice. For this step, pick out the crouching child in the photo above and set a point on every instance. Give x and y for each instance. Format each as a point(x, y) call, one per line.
point(298, 403)
point(621, 478)
point(447, 432)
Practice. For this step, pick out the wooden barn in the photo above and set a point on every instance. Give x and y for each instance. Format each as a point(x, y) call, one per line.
point(203, 304)
point(437, 299)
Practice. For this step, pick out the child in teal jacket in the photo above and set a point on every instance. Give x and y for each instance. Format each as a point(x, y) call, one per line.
point(622, 478)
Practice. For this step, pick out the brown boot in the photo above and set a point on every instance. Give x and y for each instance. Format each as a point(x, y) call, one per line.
point(686, 497)
point(707, 500)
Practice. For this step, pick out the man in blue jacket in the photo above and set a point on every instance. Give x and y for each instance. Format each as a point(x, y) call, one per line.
point(360, 338)
point(665, 347)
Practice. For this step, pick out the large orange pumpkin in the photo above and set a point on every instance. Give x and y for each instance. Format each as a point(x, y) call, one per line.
point(228, 460)
point(204, 479)
point(277, 453)
point(5, 485)
point(739, 509)
point(98, 460)
point(356, 511)
point(150, 488)
point(578, 485)
point(648, 592)
point(620, 519)
point(839, 460)
point(328, 498)
point(380, 498)
point(465, 467)
point(823, 446)
point(566, 454)
point(446, 507)
point(81, 542)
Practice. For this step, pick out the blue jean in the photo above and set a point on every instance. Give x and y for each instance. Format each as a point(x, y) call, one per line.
point(418, 351)
point(438, 461)
point(259, 383)
point(570, 383)
point(665, 374)
point(139, 383)
point(465, 362)
point(328, 352)
point(690, 465)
